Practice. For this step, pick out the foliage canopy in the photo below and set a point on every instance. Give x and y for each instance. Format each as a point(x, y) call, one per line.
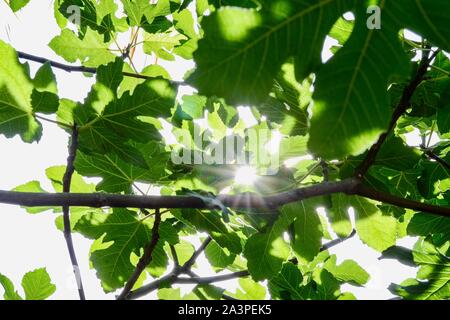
point(343, 118)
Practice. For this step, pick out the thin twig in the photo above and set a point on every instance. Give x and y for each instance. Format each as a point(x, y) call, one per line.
point(335, 242)
point(67, 179)
point(145, 260)
point(70, 68)
point(176, 261)
point(172, 277)
point(61, 124)
point(401, 202)
point(401, 108)
point(209, 280)
point(188, 265)
point(430, 154)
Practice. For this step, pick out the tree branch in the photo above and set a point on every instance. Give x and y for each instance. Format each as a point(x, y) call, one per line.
point(401, 202)
point(401, 108)
point(430, 154)
point(208, 280)
point(242, 201)
point(172, 277)
point(174, 256)
point(70, 68)
point(188, 265)
point(335, 242)
point(67, 179)
point(144, 260)
point(349, 186)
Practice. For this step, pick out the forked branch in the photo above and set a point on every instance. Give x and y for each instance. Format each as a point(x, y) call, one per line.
point(67, 179)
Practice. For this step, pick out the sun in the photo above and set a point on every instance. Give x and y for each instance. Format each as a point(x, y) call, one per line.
point(245, 176)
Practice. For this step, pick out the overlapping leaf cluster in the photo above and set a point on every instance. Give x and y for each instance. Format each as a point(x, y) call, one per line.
point(265, 55)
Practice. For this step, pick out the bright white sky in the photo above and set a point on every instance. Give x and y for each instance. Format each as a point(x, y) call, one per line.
point(32, 241)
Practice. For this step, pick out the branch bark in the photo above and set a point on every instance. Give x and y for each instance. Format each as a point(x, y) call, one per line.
point(401, 202)
point(430, 154)
point(67, 179)
point(349, 186)
point(70, 68)
point(174, 276)
point(145, 260)
point(335, 242)
point(214, 279)
point(401, 108)
point(242, 201)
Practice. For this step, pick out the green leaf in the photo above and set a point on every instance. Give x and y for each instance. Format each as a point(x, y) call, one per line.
point(287, 284)
point(394, 154)
point(327, 285)
point(377, 230)
point(162, 44)
point(265, 255)
point(8, 286)
point(434, 275)
point(424, 18)
point(342, 30)
point(211, 222)
point(117, 174)
point(33, 186)
point(125, 234)
point(307, 229)
point(91, 51)
point(347, 271)
point(44, 98)
point(56, 174)
point(16, 5)
point(45, 79)
point(359, 101)
point(135, 10)
point(401, 254)
point(169, 294)
point(288, 102)
point(184, 23)
point(249, 290)
point(130, 83)
point(16, 114)
point(218, 257)
point(158, 265)
point(107, 123)
point(184, 251)
point(244, 40)
point(250, 46)
point(205, 292)
point(338, 215)
point(98, 15)
point(435, 178)
point(400, 183)
point(424, 224)
point(37, 285)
